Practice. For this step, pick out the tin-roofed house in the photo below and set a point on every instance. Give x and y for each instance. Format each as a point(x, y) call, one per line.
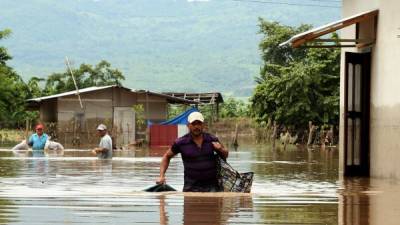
point(122, 110)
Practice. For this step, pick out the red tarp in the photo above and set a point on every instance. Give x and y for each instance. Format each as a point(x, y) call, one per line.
point(163, 135)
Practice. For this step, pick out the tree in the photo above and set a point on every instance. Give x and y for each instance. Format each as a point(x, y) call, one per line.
point(4, 56)
point(13, 91)
point(233, 108)
point(295, 85)
point(34, 87)
point(273, 55)
point(85, 76)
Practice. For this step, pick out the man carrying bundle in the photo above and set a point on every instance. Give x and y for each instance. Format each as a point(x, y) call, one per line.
point(198, 150)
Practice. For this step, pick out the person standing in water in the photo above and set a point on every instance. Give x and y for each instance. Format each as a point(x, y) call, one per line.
point(104, 151)
point(38, 140)
point(198, 150)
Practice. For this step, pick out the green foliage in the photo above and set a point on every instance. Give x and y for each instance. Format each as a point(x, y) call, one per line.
point(175, 110)
point(232, 108)
point(85, 76)
point(139, 116)
point(4, 56)
point(272, 54)
point(13, 92)
point(295, 85)
point(34, 86)
point(12, 96)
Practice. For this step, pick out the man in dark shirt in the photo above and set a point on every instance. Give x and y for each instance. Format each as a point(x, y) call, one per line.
point(198, 150)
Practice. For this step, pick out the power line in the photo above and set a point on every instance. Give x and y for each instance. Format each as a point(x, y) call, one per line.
point(333, 1)
point(286, 3)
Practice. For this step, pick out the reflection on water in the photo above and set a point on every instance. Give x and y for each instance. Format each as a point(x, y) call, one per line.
point(295, 186)
point(205, 209)
point(365, 201)
point(354, 202)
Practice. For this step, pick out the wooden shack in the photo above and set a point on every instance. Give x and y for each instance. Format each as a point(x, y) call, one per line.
point(124, 111)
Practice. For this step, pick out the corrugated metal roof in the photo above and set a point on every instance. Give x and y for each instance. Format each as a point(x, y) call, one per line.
point(301, 38)
point(172, 99)
point(83, 90)
point(201, 98)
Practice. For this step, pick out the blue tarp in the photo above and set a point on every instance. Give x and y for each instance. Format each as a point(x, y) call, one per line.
point(180, 119)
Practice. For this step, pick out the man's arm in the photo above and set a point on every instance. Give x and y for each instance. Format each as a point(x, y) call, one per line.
point(30, 141)
point(220, 149)
point(104, 146)
point(164, 165)
point(100, 150)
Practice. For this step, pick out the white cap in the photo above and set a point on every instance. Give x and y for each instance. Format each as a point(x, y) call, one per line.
point(195, 116)
point(101, 127)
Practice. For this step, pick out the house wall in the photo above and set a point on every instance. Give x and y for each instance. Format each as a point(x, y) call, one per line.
point(76, 127)
point(156, 108)
point(385, 84)
point(48, 111)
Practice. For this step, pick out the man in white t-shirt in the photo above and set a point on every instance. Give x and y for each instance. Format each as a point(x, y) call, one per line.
point(104, 151)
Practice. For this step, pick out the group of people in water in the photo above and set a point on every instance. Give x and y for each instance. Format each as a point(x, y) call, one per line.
point(40, 141)
point(198, 150)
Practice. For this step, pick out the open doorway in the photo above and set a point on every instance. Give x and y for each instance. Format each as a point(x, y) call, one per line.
point(357, 113)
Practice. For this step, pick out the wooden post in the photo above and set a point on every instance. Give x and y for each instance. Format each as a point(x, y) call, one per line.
point(275, 130)
point(235, 141)
point(26, 129)
point(87, 131)
point(65, 138)
point(74, 132)
point(329, 136)
point(212, 113)
point(129, 141)
point(286, 140)
point(217, 108)
point(268, 129)
point(311, 128)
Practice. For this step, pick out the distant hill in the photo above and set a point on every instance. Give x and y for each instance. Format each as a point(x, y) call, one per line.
point(161, 45)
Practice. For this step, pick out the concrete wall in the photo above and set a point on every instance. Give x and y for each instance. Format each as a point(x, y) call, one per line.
point(385, 85)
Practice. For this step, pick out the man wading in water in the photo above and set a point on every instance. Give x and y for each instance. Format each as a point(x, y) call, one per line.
point(198, 150)
point(104, 151)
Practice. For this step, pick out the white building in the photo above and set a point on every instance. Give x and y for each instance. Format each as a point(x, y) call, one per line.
point(370, 83)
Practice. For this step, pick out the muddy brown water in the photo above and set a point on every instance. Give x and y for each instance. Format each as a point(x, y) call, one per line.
point(295, 186)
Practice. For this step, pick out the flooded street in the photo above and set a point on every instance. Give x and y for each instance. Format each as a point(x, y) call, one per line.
point(295, 186)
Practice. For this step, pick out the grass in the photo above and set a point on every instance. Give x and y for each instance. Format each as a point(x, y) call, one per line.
point(9, 138)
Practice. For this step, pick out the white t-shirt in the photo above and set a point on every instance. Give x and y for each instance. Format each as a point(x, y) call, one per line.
point(106, 143)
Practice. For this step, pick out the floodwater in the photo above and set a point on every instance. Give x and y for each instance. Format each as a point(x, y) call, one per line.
point(295, 186)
